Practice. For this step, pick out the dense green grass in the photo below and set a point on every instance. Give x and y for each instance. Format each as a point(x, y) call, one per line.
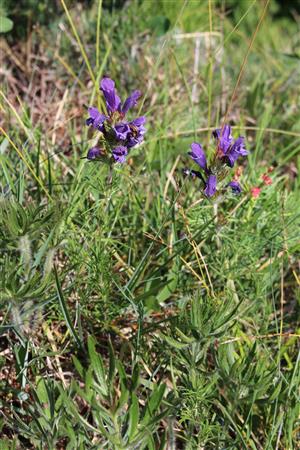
point(136, 313)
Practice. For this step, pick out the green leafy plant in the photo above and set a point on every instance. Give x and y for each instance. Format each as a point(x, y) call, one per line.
point(123, 411)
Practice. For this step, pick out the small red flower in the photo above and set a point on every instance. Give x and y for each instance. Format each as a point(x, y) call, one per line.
point(255, 192)
point(266, 179)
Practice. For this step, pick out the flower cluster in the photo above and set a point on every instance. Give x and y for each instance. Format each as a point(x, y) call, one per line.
point(227, 152)
point(118, 135)
point(266, 181)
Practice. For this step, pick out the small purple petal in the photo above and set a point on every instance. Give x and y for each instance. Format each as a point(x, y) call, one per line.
point(239, 146)
point(137, 131)
point(119, 154)
point(223, 137)
point(139, 121)
point(112, 99)
point(96, 119)
point(235, 186)
point(122, 130)
point(230, 159)
point(198, 155)
point(94, 153)
point(107, 84)
point(130, 101)
point(211, 186)
point(236, 150)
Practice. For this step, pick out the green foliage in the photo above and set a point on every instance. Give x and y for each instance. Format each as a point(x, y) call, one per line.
point(25, 14)
point(6, 24)
point(29, 237)
point(227, 390)
point(114, 415)
point(114, 410)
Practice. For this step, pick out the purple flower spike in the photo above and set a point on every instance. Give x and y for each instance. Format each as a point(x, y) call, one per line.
point(119, 154)
point(235, 186)
point(236, 150)
point(119, 135)
point(227, 152)
point(112, 99)
point(223, 137)
point(94, 153)
point(96, 119)
point(198, 155)
point(211, 186)
point(130, 101)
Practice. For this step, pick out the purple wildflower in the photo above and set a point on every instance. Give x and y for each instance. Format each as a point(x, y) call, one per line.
point(113, 101)
point(137, 131)
point(118, 133)
point(96, 119)
point(235, 187)
point(119, 154)
point(198, 155)
point(236, 150)
point(94, 153)
point(122, 130)
point(211, 186)
point(130, 101)
point(228, 149)
point(223, 137)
